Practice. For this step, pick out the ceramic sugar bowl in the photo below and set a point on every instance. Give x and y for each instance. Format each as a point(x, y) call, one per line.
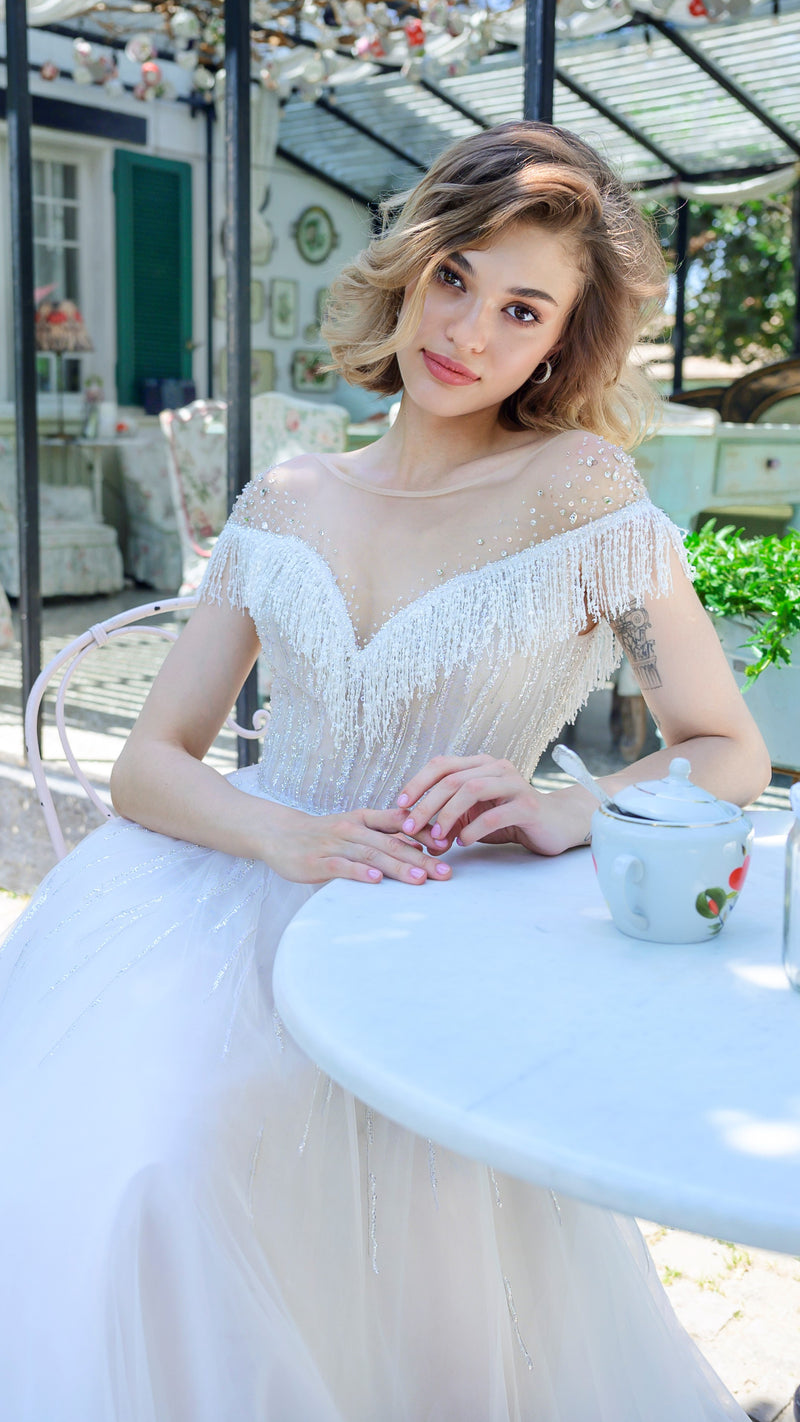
point(670, 858)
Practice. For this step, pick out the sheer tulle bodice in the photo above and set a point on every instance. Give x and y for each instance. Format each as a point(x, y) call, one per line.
point(393, 635)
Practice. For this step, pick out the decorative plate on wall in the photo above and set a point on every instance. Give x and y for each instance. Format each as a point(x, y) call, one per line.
point(315, 234)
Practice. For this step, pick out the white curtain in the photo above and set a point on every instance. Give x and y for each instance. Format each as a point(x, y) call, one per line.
point(50, 12)
point(740, 191)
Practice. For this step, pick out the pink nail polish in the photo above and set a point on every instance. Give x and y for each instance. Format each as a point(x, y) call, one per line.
point(402, 801)
point(459, 840)
point(418, 873)
point(437, 832)
point(408, 825)
point(442, 868)
point(374, 873)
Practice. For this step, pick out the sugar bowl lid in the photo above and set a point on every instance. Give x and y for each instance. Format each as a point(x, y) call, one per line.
point(675, 800)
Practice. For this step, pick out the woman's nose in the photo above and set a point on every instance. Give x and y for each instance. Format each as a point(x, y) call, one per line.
point(467, 330)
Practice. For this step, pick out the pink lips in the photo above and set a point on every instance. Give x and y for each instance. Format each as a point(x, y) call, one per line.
point(448, 371)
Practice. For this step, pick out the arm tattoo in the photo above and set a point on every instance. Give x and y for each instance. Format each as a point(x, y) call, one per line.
point(632, 628)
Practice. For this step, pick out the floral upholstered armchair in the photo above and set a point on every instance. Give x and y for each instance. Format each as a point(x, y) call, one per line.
point(196, 441)
point(283, 426)
point(196, 437)
point(80, 554)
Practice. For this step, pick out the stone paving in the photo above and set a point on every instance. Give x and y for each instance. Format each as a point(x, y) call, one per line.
point(741, 1305)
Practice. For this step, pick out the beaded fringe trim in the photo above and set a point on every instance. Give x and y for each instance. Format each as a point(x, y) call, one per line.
point(524, 604)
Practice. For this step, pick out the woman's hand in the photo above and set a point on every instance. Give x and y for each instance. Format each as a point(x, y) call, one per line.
point(366, 845)
point(472, 798)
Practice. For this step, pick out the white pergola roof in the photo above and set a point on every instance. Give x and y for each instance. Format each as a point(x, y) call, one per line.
point(651, 107)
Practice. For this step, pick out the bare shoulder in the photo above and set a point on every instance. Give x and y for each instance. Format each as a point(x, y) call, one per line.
point(583, 476)
point(278, 487)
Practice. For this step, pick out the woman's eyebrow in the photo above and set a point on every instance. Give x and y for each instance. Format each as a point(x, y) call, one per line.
point(532, 293)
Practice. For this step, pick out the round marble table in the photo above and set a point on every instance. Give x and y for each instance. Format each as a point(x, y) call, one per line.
point(503, 1015)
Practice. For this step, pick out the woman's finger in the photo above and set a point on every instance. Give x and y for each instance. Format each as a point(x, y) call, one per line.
point(429, 808)
point(392, 855)
point(435, 771)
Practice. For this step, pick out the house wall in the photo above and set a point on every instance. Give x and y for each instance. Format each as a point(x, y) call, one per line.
point(172, 132)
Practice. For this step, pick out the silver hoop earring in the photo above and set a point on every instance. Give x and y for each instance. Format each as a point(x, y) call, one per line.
point(543, 379)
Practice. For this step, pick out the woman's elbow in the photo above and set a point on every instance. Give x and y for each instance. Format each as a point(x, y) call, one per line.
point(760, 770)
point(754, 767)
point(120, 784)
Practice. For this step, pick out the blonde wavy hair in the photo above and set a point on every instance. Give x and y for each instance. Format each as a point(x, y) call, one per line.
point(514, 172)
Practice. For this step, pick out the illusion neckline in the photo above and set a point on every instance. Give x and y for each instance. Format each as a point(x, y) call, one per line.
point(368, 488)
point(494, 567)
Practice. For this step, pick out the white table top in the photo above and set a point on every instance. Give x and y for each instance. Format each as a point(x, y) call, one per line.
point(504, 1016)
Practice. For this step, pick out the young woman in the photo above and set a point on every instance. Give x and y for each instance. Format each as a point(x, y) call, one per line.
point(196, 1229)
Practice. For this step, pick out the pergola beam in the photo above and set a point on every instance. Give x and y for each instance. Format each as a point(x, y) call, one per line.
point(19, 116)
point(539, 60)
point(316, 172)
point(237, 288)
point(338, 112)
point(621, 123)
point(681, 270)
point(715, 175)
point(719, 76)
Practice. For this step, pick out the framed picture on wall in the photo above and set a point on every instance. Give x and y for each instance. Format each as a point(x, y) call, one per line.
point(321, 303)
point(256, 299)
point(308, 373)
point(262, 371)
point(283, 308)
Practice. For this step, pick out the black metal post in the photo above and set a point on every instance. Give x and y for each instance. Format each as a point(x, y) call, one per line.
point(796, 261)
point(19, 144)
point(237, 280)
point(681, 263)
point(540, 60)
point(209, 116)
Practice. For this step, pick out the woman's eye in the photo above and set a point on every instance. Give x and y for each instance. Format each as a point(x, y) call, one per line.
point(524, 315)
point(449, 277)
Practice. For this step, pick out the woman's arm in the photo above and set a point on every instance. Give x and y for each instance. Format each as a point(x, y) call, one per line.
point(689, 688)
point(160, 779)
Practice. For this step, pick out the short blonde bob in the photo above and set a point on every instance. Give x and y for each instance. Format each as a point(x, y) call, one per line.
point(529, 172)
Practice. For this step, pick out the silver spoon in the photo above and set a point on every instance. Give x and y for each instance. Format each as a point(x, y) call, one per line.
point(571, 762)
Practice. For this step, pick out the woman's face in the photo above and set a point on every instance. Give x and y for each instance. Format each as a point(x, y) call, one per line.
point(491, 316)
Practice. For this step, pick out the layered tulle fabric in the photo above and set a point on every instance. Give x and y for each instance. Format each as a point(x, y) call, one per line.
point(199, 1227)
point(195, 1225)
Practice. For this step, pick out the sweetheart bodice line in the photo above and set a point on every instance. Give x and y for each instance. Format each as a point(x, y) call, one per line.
point(493, 567)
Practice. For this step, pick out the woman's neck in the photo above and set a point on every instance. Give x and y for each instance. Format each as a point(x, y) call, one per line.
point(424, 451)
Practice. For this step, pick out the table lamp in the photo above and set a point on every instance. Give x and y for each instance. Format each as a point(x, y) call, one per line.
point(60, 328)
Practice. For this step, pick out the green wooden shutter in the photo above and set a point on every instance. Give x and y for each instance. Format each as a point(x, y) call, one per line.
point(154, 271)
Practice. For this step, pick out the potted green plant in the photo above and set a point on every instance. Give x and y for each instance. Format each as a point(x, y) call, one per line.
point(751, 587)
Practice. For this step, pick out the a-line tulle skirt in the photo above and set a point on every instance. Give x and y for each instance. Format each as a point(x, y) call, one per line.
point(197, 1226)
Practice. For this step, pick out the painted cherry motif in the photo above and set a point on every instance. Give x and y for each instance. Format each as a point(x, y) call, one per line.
point(738, 876)
point(711, 902)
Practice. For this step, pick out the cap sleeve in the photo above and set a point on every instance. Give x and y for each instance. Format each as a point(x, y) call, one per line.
point(226, 576)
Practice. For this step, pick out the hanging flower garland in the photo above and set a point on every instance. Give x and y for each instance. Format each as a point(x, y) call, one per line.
point(299, 46)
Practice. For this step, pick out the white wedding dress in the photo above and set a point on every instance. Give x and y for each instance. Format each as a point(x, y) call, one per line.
point(195, 1226)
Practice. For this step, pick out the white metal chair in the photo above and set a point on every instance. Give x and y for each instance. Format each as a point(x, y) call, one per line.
point(67, 661)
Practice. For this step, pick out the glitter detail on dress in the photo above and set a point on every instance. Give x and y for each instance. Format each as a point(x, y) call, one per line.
point(307, 1127)
point(432, 1173)
point(515, 1322)
point(372, 1186)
